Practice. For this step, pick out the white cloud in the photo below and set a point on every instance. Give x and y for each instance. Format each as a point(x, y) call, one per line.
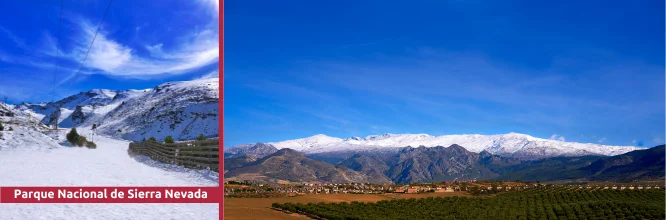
point(116, 59)
point(211, 4)
point(657, 140)
point(155, 50)
point(557, 137)
point(19, 42)
point(110, 57)
point(210, 75)
point(634, 141)
point(602, 140)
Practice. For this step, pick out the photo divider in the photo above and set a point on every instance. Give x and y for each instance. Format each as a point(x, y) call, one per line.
point(221, 109)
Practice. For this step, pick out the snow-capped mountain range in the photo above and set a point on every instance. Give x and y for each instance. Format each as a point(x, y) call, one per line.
point(183, 110)
point(509, 145)
point(20, 130)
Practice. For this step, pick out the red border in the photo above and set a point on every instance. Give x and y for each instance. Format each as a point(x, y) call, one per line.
point(221, 108)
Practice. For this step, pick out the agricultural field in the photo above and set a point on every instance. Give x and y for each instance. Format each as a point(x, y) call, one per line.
point(260, 208)
point(550, 203)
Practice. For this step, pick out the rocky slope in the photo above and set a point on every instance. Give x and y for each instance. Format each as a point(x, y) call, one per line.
point(434, 164)
point(292, 166)
point(257, 150)
point(26, 131)
point(182, 110)
point(636, 165)
point(371, 166)
point(438, 164)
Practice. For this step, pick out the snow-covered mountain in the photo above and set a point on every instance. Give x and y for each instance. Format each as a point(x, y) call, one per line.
point(183, 110)
point(22, 131)
point(510, 145)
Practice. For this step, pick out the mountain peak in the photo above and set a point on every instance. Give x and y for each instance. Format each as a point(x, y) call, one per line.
point(287, 152)
point(515, 134)
point(320, 136)
point(355, 138)
point(485, 153)
point(457, 147)
point(257, 150)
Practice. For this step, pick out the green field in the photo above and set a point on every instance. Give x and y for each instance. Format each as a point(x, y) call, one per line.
point(551, 203)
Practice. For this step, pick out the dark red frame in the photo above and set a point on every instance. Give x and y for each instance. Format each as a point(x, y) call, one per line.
point(221, 107)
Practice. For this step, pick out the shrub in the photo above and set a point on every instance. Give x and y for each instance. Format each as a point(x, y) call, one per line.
point(201, 137)
point(2, 128)
point(82, 141)
point(11, 129)
point(91, 145)
point(152, 139)
point(168, 140)
point(73, 137)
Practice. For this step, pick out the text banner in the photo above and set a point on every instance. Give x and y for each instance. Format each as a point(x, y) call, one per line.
point(110, 194)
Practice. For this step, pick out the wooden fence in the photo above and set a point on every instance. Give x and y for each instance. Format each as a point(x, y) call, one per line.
point(192, 154)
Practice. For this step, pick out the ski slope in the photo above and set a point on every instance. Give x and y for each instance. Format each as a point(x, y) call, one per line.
point(28, 163)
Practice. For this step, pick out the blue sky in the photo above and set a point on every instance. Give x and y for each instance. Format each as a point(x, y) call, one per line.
point(590, 71)
point(141, 44)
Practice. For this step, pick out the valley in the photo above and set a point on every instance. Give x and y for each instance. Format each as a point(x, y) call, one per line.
point(298, 201)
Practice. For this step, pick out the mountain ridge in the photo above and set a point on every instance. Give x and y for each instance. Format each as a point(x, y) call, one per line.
point(512, 144)
point(434, 164)
point(182, 109)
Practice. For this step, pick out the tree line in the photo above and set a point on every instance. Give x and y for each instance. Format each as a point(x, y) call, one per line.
point(169, 139)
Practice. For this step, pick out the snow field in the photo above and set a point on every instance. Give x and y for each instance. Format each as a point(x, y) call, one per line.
point(501, 144)
point(33, 159)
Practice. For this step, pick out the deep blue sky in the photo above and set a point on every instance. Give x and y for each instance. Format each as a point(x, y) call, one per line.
point(141, 44)
point(584, 71)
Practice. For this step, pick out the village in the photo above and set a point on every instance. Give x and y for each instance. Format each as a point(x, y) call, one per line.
point(247, 189)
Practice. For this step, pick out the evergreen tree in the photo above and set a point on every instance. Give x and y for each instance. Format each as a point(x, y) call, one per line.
point(2, 128)
point(11, 129)
point(152, 139)
point(73, 137)
point(201, 137)
point(168, 140)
